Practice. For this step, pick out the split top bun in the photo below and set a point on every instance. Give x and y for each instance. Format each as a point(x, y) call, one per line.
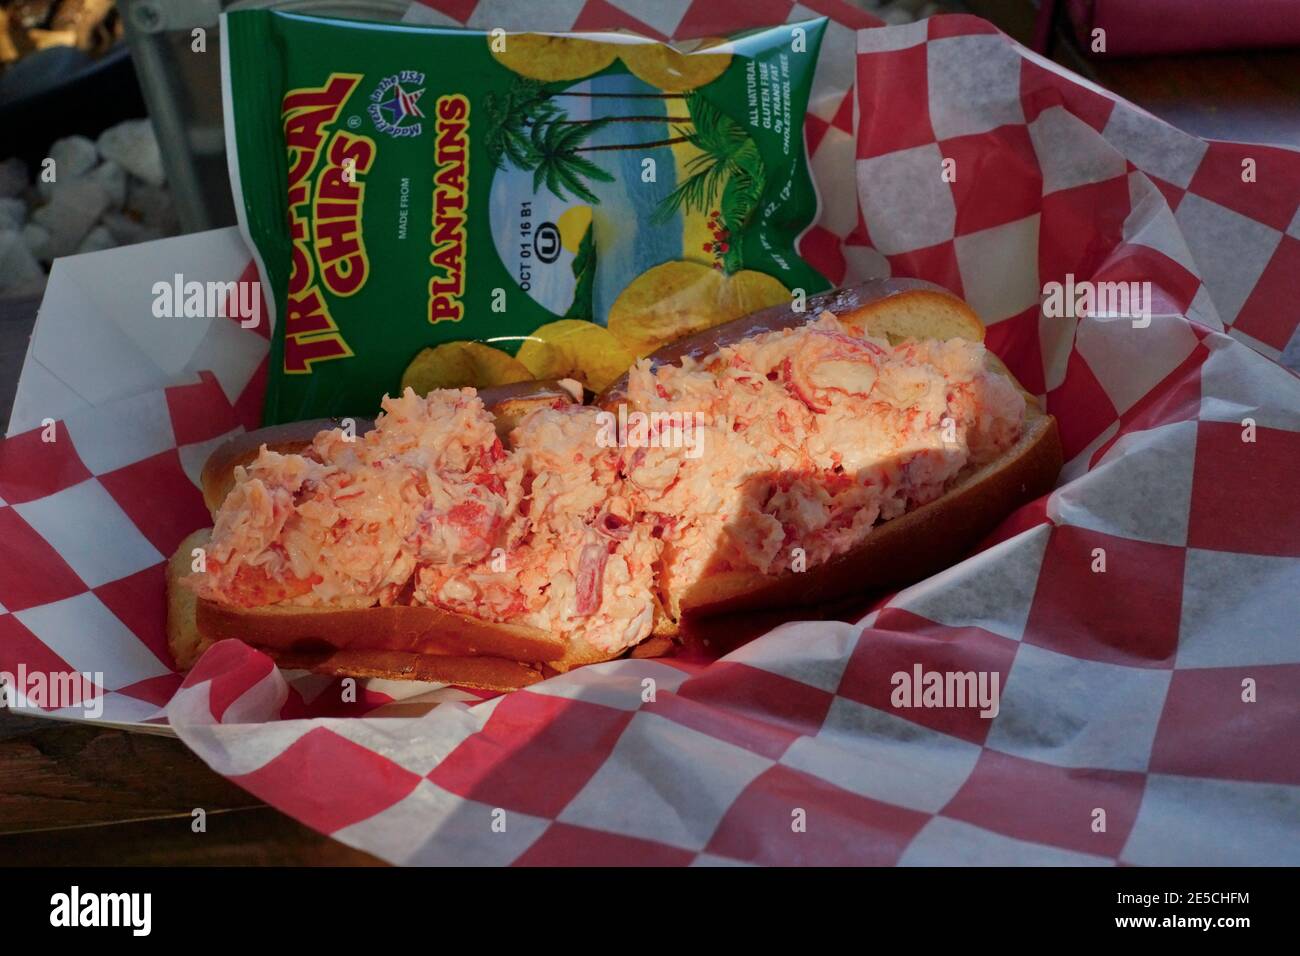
point(757, 452)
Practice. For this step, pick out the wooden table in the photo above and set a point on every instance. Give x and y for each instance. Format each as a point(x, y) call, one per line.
point(77, 795)
point(72, 794)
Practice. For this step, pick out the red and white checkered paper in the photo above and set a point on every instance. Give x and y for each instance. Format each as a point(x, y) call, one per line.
point(1122, 691)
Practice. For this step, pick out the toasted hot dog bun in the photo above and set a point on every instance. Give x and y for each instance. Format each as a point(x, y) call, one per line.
point(401, 642)
point(404, 628)
point(903, 550)
point(433, 644)
point(919, 542)
point(484, 673)
point(183, 638)
point(425, 644)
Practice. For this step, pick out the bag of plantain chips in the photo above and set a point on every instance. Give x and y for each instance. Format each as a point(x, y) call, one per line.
point(437, 208)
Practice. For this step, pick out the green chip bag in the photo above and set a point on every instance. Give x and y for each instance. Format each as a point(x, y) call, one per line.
point(406, 187)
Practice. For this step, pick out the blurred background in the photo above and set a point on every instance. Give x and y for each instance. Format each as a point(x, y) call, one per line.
point(125, 97)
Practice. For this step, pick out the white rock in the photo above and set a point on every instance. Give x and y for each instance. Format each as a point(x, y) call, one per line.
point(113, 178)
point(13, 177)
point(37, 239)
point(75, 207)
point(19, 270)
point(45, 190)
point(13, 213)
point(109, 175)
point(73, 156)
point(127, 231)
point(133, 146)
point(97, 240)
point(152, 206)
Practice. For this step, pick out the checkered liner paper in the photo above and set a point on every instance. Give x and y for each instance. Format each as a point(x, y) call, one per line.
point(1123, 691)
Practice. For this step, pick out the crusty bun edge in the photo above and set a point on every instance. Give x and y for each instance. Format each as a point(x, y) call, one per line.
point(183, 638)
point(402, 628)
point(915, 544)
point(477, 654)
point(482, 673)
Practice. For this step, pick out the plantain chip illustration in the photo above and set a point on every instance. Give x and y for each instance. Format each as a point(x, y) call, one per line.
point(552, 58)
point(458, 364)
point(575, 348)
point(675, 71)
point(664, 303)
point(676, 299)
point(748, 291)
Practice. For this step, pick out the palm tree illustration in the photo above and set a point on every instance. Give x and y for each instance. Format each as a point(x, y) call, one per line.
point(510, 117)
point(727, 170)
point(532, 132)
point(554, 159)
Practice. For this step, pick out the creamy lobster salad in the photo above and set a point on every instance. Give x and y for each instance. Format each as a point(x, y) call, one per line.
point(801, 441)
